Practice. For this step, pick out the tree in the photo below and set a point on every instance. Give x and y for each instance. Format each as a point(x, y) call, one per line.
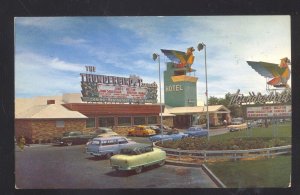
point(236, 110)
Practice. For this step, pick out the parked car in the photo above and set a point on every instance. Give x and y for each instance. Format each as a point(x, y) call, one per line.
point(171, 135)
point(252, 124)
point(237, 121)
point(196, 132)
point(136, 157)
point(107, 146)
point(104, 132)
point(156, 128)
point(239, 127)
point(72, 138)
point(141, 130)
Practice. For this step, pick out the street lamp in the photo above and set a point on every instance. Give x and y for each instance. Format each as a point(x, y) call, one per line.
point(155, 56)
point(200, 47)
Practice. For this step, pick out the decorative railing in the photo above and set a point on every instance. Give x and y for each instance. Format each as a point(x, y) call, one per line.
point(207, 155)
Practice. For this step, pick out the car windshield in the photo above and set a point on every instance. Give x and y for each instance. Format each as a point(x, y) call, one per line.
point(128, 151)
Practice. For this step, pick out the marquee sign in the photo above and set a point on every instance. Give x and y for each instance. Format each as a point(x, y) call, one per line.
point(274, 97)
point(102, 88)
point(274, 111)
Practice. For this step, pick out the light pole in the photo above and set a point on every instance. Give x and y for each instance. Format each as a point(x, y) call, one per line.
point(200, 47)
point(156, 56)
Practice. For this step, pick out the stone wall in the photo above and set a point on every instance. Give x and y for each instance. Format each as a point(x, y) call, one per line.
point(22, 128)
point(46, 130)
point(168, 121)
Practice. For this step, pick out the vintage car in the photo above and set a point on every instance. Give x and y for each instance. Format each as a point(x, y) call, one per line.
point(158, 129)
point(107, 146)
point(104, 132)
point(196, 132)
point(239, 127)
point(141, 130)
point(72, 138)
point(171, 135)
point(237, 121)
point(136, 157)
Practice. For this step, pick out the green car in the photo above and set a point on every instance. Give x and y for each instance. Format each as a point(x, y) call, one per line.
point(136, 157)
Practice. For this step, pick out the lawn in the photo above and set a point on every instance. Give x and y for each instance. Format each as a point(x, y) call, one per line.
point(273, 172)
point(276, 135)
point(282, 131)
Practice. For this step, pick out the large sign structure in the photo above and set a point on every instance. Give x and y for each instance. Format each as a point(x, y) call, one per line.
point(273, 97)
point(112, 89)
point(278, 74)
point(272, 111)
point(180, 89)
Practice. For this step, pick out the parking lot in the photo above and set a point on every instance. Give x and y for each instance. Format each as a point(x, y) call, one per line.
point(69, 167)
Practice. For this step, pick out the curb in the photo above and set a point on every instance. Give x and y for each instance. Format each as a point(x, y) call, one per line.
point(215, 179)
point(177, 163)
point(210, 174)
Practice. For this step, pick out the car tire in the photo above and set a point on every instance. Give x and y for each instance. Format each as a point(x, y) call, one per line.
point(161, 163)
point(138, 169)
point(108, 155)
point(69, 143)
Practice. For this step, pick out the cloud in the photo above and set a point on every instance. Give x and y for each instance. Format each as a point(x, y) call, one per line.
point(73, 42)
point(126, 44)
point(35, 74)
point(48, 23)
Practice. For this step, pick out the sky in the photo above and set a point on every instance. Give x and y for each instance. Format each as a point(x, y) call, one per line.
point(51, 52)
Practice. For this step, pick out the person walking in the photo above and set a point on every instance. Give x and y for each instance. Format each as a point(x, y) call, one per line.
point(225, 122)
point(22, 143)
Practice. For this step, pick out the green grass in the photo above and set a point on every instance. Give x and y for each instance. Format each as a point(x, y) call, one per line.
point(283, 130)
point(273, 172)
point(245, 139)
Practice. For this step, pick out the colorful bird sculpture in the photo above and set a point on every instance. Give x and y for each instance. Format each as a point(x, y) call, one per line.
point(279, 74)
point(180, 58)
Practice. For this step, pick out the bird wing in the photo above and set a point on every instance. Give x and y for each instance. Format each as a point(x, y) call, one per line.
point(266, 69)
point(175, 56)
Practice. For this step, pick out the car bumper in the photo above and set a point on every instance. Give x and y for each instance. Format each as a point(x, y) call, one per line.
point(58, 143)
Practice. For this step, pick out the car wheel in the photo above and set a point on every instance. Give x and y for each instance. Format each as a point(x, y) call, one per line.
point(138, 170)
point(69, 143)
point(161, 163)
point(108, 155)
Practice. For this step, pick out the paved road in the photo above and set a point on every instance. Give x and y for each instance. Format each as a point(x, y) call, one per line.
point(220, 131)
point(48, 167)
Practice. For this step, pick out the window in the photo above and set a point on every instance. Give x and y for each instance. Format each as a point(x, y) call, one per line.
point(60, 123)
point(108, 142)
point(152, 120)
point(139, 120)
point(123, 141)
point(106, 122)
point(124, 121)
point(90, 122)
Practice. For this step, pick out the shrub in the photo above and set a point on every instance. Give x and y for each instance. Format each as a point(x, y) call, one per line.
point(231, 144)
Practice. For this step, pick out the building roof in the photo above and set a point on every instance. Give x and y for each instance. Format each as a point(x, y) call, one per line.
point(23, 104)
point(196, 109)
point(51, 111)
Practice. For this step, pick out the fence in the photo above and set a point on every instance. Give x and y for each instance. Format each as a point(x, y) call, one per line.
point(207, 155)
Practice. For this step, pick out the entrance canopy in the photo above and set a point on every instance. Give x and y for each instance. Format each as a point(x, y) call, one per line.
point(219, 109)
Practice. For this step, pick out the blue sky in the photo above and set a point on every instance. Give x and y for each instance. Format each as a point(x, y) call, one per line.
point(51, 52)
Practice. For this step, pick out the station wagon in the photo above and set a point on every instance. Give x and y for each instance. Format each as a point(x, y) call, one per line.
point(107, 146)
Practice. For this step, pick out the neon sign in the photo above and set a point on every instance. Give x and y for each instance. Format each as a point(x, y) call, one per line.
point(258, 98)
point(102, 88)
point(279, 111)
